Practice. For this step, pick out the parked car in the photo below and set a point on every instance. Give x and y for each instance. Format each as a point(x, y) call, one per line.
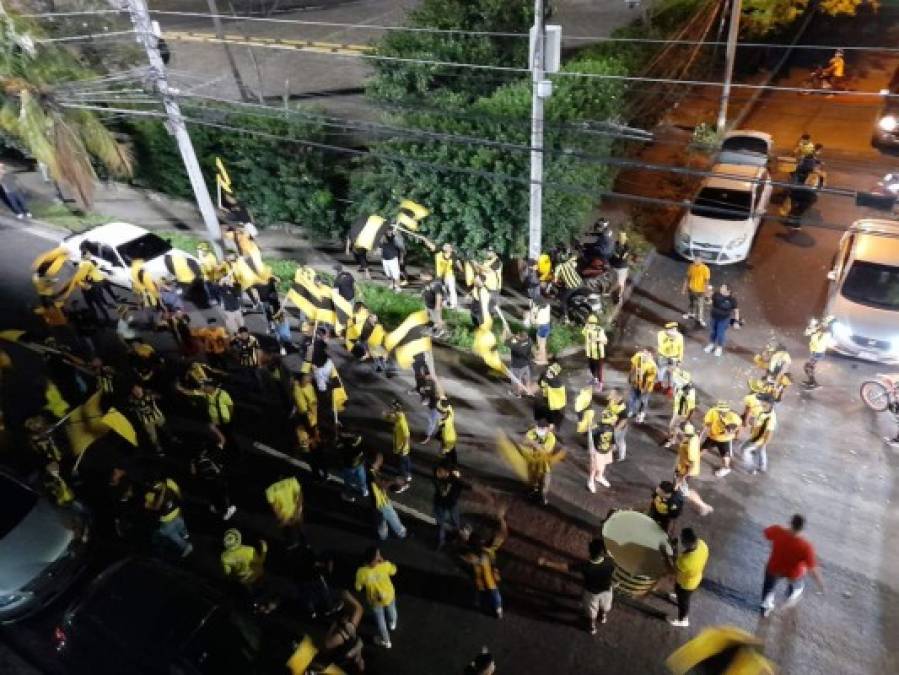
point(864, 292)
point(725, 214)
point(114, 246)
point(886, 129)
point(745, 146)
point(143, 617)
point(42, 549)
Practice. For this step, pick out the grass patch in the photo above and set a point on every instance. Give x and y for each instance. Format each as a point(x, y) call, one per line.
point(63, 216)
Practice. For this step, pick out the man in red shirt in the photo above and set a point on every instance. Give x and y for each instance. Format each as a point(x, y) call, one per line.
point(791, 557)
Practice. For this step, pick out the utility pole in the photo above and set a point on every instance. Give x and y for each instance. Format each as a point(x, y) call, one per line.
point(535, 228)
point(732, 34)
point(147, 37)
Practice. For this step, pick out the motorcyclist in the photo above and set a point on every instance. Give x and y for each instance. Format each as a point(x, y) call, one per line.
point(599, 243)
point(835, 71)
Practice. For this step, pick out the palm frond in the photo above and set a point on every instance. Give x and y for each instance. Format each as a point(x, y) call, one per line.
point(101, 143)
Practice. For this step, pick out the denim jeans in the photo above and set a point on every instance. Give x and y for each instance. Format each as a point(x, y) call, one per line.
point(490, 599)
point(382, 621)
point(755, 456)
point(446, 515)
point(386, 517)
point(174, 531)
point(771, 581)
point(719, 331)
point(637, 402)
point(433, 419)
point(354, 480)
point(405, 462)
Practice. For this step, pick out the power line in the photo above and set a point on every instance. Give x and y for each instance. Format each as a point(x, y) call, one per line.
point(406, 161)
point(513, 69)
point(93, 36)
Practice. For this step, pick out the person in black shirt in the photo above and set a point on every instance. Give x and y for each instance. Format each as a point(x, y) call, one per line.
point(724, 313)
point(521, 349)
point(666, 505)
point(620, 261)
point(390, 260)
point(230, 292)
point(597, 573)
point(429, 397)
point(344, 283)
point(433, 295)
point(531, 280)
point(447, 489)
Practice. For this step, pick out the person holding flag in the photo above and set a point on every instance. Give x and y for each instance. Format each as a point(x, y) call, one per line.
point(540, 452)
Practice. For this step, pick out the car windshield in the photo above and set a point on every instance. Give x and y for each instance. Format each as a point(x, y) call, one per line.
point(872, 284)
point(722, 203)
point(145, 247)
point(745, 144)
point(15, 503)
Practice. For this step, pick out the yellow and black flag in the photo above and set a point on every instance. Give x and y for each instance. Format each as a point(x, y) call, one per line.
point(325, 313)
point(721, 650)
point(485, 346)
point(304, 293)
point(222, 179)
point(411, 214)
point(343, 310)
point(89, 422)
point(366, 232)
point(251, 271)
point(409, 339)
point(186, 270)
point(50, 263)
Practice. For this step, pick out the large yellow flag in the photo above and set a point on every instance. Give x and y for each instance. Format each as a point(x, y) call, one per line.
point(485, 346)
point(88, 422)
point(409, 339)
point(510, 454)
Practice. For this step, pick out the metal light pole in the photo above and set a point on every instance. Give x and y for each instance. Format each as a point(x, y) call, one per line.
point(146, 36)
point(536, 206)
point(732, 34)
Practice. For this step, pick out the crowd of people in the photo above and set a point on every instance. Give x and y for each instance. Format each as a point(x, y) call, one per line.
point(103, 344)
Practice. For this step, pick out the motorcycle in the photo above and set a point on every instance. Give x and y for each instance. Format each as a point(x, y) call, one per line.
point(882, 392)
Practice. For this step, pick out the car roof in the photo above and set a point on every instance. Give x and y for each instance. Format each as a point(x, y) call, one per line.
point(877, 241)
point(145, 603)
point(740, 176)
point(752, 133)
point(114, 234)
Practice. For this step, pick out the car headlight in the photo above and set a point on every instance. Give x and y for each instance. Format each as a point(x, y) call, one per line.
point(841, 331)
point(736, 243)
point(888, 123)
point(10, 600)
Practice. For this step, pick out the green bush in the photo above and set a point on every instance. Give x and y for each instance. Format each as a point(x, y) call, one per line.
point(279, 181)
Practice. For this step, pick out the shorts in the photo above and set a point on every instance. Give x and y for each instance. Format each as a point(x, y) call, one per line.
point(724, 448)
point(594, 602)
point(543, 331)
point(391, 268)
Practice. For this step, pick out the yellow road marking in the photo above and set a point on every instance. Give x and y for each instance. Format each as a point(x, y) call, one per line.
point(302, 45)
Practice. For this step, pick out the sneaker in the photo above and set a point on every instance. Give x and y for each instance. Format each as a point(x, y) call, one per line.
point(187, 550)
point(348, 498)
point(402, 488)
point(229, 512)
point(718, 351)
point(381, 642)
point(722, 472)
point(672, 596)
point(680, 624)
point(701, 322)
point(641, 417)
point(686, 316)
point(766, 607)
point(603, 618)
point(392, 625)
point(28, 214)
point(592, 628)
point(668, 444)
point(894, 442)
point(708, 348)
point(20, 216)
point(591, 486)
point(602, 481)
point(499, 613)
point(793, 597)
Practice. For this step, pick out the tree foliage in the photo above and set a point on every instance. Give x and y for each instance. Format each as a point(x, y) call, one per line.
point(480, 192)
point(33, 77)
point(763, 17)
point(279, 179)
point(397, 80)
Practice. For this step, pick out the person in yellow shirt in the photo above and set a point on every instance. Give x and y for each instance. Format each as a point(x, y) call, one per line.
point(402, 441)
point(671, 354)
point(642, 379)
point(163, 500)
point(595, 341)
point(212, 272)
point(696, 285)
point(285, 496)
point(835, 70)
point(492, 270)
point(446, 427)
point(240, 562)
point(373, 579)
point(445, 266)
point(687, 567)
point(554, 396)
point(688, 465)
point(720, 427)
point(819, 340)
point(755, 449)
point(684, 402)
point(540, 452)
